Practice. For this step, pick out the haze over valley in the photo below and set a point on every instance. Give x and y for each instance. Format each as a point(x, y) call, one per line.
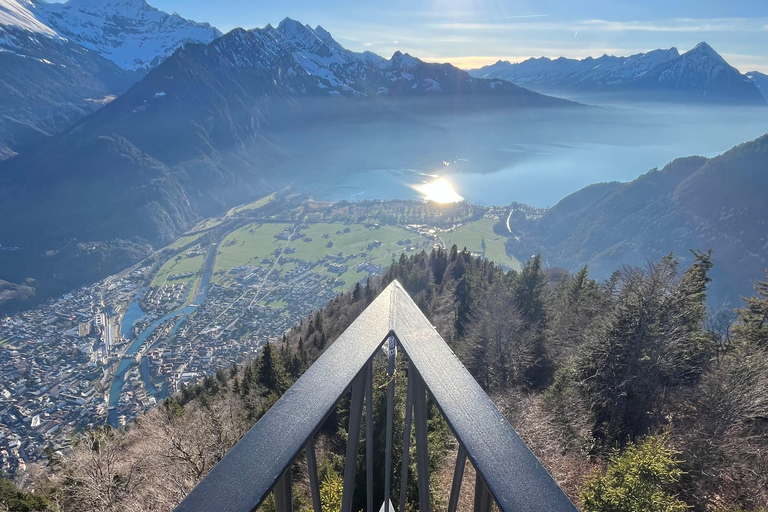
point(191, 216)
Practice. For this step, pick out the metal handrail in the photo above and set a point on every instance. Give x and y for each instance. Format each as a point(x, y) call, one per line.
point(507, 471)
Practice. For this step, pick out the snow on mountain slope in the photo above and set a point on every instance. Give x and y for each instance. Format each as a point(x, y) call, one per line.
point(701, 73)
point(130, 33)
point(19, 14)
point(46, 81)
point(564, 72)
point(309, 60)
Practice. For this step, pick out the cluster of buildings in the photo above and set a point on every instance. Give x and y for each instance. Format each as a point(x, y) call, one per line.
point(55, 366)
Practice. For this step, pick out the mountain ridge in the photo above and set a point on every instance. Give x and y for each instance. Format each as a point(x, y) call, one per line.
point(699, 75)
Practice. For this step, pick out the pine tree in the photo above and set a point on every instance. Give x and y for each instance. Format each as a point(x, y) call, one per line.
point(272, 374)
point(529, 298)
point(752, 327)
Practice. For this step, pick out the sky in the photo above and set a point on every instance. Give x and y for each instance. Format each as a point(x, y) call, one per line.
point(472, 33)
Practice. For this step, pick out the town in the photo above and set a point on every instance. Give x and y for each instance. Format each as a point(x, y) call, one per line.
point(107, 353)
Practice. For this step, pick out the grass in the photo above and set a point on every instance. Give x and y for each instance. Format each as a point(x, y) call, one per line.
point(180, 264)
point(250, 244)
point(256, 204)
point(3, 342)
point(254, 242)
point(472, 235)
point(247, 246)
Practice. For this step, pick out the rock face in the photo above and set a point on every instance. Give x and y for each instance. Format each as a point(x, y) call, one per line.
point(700, 75)
point(214, 125)
point(692, 204)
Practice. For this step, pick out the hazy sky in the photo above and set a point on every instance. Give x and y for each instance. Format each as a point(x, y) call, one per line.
point(470, 33)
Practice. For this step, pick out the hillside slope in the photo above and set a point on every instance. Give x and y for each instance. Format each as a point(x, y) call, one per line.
point(692, 204)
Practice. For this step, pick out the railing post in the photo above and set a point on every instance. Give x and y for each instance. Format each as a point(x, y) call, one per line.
point(391, 354)
point(353, 441)
point(422, 455)
point(458, 476)
point(406, 438)
point(283, 496)
point(369, 435)
point(314, 483)
point(483, 497)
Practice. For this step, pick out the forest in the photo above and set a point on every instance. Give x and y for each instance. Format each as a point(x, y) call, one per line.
point(632, 394)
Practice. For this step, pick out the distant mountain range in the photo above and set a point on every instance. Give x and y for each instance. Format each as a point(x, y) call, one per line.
point(692, 203)
point(210, 127)
point(699, 75)
point(60, 62)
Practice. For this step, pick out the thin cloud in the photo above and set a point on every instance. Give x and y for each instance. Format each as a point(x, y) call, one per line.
point(520, 17)
point(681, 25)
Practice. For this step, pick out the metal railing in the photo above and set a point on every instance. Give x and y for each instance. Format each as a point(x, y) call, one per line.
point(507, 472)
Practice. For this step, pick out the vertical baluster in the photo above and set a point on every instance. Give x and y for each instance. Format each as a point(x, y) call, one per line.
point(353, 440)
point(369, 435)
point(283, 497)
point(422, 455)
point(483, 497)
point(458, 476)
point(391, 354)
point(406, 438)
point(314, 483)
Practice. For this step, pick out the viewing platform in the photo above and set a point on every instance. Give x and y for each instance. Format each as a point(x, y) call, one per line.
point(507, 473)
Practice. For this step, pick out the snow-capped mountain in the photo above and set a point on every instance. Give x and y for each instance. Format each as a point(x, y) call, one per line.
point(47, 82)
point(761, 81)
point(308, 60)
point(130, 33)
point(699, 75)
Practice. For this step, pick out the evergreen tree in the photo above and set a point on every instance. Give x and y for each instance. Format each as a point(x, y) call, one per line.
point(529, 298)
point(272, 373)
point(637, 480)
point(752, 327)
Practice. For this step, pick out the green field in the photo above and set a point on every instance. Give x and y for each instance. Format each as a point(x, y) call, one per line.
point(180, 264)
point(256, 204)
point(254, 242)
point(247, 246)
point(471, 236)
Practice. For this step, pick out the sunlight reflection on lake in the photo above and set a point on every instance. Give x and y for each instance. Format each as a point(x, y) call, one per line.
point(440, 191)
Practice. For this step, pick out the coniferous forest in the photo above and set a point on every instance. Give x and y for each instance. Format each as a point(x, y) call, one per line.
point(632, 394)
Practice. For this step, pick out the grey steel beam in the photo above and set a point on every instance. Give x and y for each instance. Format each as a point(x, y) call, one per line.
point(406, 438)
point(458, 477)
point(245, 476)
point(283, 496)
point(353, 440)
point(422, 453)
point(515, 477)
point(314, 482)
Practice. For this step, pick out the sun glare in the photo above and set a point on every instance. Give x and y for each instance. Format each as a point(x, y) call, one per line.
point(440, 191)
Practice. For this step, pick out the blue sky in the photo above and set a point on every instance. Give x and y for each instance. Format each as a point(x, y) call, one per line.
point(470, 33)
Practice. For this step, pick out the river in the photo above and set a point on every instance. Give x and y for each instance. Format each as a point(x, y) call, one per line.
point(132, 314)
